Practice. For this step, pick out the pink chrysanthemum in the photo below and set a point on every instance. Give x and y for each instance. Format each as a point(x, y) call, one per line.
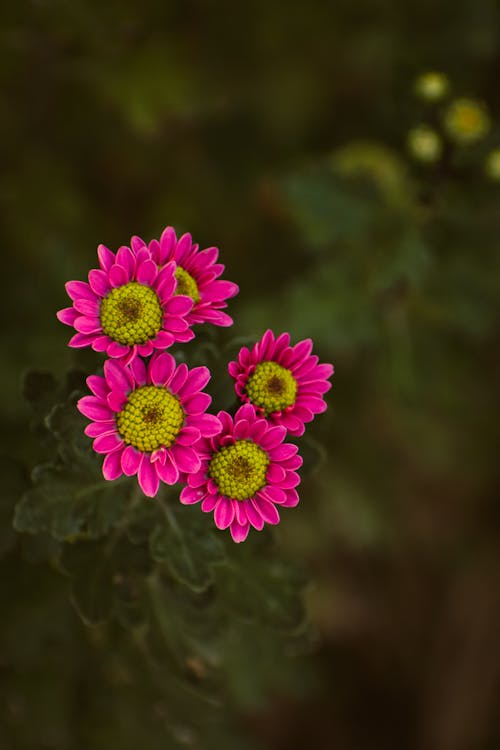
point(129, 307)
point(246, 471)
point(146, 418)
point(285, 383)
point(197, 275)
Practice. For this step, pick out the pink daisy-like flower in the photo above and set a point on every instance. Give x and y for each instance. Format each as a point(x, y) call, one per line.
point(129, 306)
point(146, 418)
point(197, 273)
point(246, 471)
point(285, 383)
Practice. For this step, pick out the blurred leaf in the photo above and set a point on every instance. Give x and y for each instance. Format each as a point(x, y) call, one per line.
point(68, 502)
point(188, 551)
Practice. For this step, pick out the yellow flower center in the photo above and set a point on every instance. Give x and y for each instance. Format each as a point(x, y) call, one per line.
point(186, 285)
point(239, 470)
point(131, 314)
point(272, 387)
point(151, 418)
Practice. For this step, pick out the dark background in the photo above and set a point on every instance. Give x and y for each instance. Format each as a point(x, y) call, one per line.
point(277, 131)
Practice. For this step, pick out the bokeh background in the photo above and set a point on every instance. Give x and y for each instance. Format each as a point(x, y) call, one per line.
point(278, 131)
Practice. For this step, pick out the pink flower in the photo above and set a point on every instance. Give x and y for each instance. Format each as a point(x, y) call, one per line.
point(197, 275)
point(246, 471)
point(129, 306)
point(146, 418)
point(285, 383)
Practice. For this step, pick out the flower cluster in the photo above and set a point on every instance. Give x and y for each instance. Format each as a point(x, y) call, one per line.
point(450, 126)
point(148, 415)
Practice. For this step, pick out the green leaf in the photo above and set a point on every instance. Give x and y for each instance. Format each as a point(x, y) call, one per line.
point(188, 550)
point(264, 590)
point(65, 503)
point(91, 572)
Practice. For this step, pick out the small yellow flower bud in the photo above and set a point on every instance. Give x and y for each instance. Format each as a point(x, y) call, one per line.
point(424, 144)
point(432, 86)
point(466, 120)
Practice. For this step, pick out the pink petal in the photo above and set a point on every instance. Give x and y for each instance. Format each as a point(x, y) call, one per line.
point(293, 424)
point(186, 458)
point(87, 307)
point(148, 477)
point(116, 400)
point(207, 424)
point(98, 386)
point(168, 472)
point(161, 368)
point(275, 473)
point(223, 289)
point(94, 409)
point(273, 437)
point(78, 289)
point(189, 496)
point(241, 429)
point(315, 404)
point(79, 340)
point(106, 257)
point(117, 376)
point(267, 510)
point(292, 499)
point(217, 318)
point(302, 350)
point(197, 404)
point(147, 273)
point(94, 429)
point(98, 281)
point(273, 494)
point(208, 503)
point(68, 315)
point(117, 276)
point(283, 451)
point(197, 378)
point(130, 461)
point(188, 436)
point(239, 533)
point(117, 350)
point(125, 258)
point(107, 443)
point(233, 369)
point(137, 243)
point(224, 513)
point(291, 480)
point(101, 343)
point(179, 305)
point(254, 516)
point(175, 324)
point(111, 467)
point(138, 370)
point(163, 340)
point(183, 247)
point(179, 378)
point(87, 325)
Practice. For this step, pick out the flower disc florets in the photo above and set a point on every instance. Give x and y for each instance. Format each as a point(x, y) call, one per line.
point(284, 383)
point(246, 473)
point(239, 470)
point(131, 314)
point(197, 274)
point(271, 387)
point(152, 417)
point(147, 418)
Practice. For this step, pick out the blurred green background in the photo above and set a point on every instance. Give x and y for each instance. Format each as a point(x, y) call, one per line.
point(278, 131)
